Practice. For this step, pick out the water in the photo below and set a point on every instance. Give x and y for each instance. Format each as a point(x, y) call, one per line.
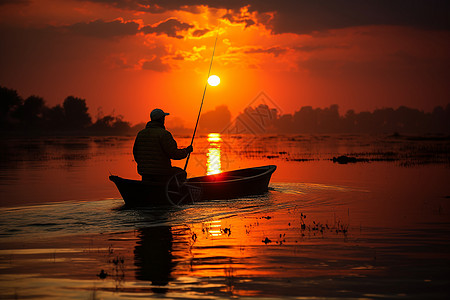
point(379, 228)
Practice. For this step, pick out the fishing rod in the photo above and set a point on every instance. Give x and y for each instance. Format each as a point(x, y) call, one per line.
point(203, 98)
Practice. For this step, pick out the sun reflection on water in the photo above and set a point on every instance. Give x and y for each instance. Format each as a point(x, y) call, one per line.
point(213, 163)
point(212, 228)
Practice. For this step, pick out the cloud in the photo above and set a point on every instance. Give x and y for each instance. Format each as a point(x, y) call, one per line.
point(276, 51)
point(187, 55)
point(303, 17)
point(171, 27)
point(315, 48)
point(158, 6)
point(44, 50)
point(200, 32)
point(306, 16)
point(136, 5)
point(110, 29)
point(243, 16)
point(155, 65)
point(102, 29)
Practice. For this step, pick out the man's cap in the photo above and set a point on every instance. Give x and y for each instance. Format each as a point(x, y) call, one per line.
point(157, 114)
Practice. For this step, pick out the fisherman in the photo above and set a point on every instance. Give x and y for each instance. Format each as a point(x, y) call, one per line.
point(153, 149)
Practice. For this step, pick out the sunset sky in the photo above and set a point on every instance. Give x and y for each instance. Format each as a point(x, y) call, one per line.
point(130, 56)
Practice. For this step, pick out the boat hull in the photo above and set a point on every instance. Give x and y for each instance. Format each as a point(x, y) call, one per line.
point(227, 185)
point(234, 184)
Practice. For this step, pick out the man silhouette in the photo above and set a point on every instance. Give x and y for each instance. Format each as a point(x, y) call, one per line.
point(154, 147)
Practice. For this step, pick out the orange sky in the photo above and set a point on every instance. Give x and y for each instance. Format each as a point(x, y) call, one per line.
point(130, 56)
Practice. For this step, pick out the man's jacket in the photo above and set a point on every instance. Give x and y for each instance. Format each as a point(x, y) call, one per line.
point(153, 149)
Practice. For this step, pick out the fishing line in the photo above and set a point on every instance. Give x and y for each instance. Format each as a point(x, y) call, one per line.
point(203, 98)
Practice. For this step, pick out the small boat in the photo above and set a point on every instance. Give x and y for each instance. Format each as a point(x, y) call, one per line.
point(226, 185)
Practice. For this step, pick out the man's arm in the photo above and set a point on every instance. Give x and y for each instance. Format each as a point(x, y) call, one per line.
point(170, 146)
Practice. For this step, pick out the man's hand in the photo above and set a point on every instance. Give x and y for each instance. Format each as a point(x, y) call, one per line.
point(189, 149)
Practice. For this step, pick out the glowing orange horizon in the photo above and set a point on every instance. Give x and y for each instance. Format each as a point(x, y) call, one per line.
point(131, 61)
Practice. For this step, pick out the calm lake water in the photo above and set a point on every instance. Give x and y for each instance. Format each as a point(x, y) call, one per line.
point(377, 228)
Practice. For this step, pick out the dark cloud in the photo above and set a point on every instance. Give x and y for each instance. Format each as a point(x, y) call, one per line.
point(272, 50)
point(236, 18)
point(306, 16)
point(153, 6)
point(102, 29)
point(314, 48)
point(170, 27)
point(155, 65)
point(276, 51)
point(36, 55)
point(109, 29)
point(139, 5)
point(200, 32)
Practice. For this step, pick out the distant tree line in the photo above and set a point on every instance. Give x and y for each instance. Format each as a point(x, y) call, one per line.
point(402, 120)
point(264, 119)
point(32, 115)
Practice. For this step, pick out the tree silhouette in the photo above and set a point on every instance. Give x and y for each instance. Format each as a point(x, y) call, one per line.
point(284, 124)
point(215, 120)
point(440, 117)
point(385, 120)
point(329, 120)
point(31, 113)
point(305, 120)
point(55, 117)
point(111, 124)
point(9, 101)
point(349, 121)
point(76, 113)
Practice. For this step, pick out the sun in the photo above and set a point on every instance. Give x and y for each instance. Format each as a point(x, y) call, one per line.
point(213, 80)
